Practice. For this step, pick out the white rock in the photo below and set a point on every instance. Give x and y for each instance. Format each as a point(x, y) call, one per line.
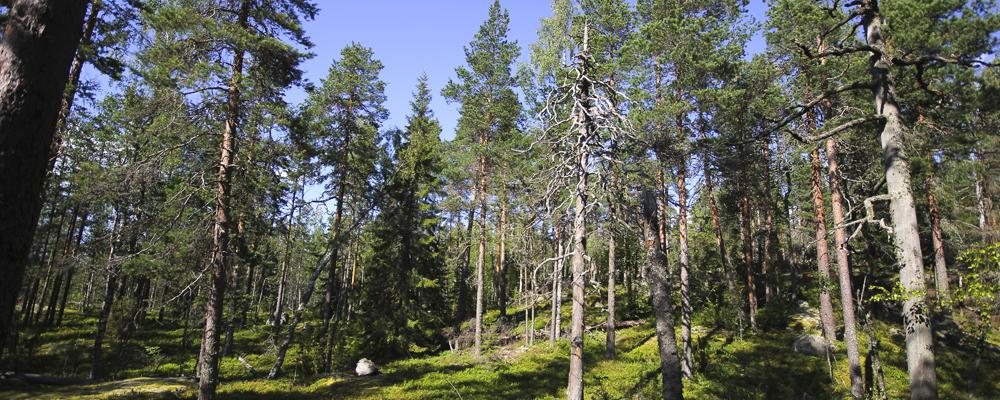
point(365, 367)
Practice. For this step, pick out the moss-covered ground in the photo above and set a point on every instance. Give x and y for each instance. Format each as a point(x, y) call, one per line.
point(155, 364)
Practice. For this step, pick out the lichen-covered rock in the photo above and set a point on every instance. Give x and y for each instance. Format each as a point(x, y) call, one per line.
point(365, 367)
point(806, 320)
point(812, 345)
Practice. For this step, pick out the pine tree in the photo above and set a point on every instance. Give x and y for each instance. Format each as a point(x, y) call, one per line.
point(257, 42)
point(346, 112)
point(490, 113)
point(888, 66)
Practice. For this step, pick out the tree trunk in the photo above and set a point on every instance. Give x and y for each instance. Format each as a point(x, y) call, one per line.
point(575, 387)
point(89, 293)
point(28, 309)
point(75, 70)
point(919, 338)
point(791, 253)
point(279, 300)
point(37, 47)
point(29, 303)
point(609, 346)
point(659, 286)
point(109, 297)
point(57, 289)
point(50, 265)
point(981, 202)
point(501, 268)
point(331, 276)
point(297, 316)
point(746, 237)
point(50, 309)
point(661, 210)
point(462, 276)
point(581, 168)
point(937, 238)
point(720, 242)
point(72, 269)
point(208, 358)
point(767, 256)
point(555, 316)
point(687, 355)
point(481, 256)
point(844, 272)
point(822, 251)
point(102, 325)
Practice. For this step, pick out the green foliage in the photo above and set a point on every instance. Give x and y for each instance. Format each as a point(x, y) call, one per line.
point(490, 108)
point(405, 306)
point(980, 269)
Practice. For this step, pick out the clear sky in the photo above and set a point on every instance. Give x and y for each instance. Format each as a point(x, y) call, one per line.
point(415, 36)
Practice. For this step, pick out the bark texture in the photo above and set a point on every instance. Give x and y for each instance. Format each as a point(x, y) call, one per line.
point(822, 251)
point(208, 357)
point(39, 40)
point(687, 359)
point(575, 387)
point(844, 272)
point(919, 338)
point(941, 288)
point(659, 286)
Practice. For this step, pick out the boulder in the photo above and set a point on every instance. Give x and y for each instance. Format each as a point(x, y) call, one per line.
point(366, 367)
point(813, 345)
point(805, 320)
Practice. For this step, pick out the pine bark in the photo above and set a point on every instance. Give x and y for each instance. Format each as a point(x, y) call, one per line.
point(746, 239)
point(75, 70)
point(462, 275)
point(480, 260)
point(208, 357)
point(942, 290)
point(822, 250)
point(501, 268)
point(661, 210)
point(659, 286)
point(767, 256)
point(37, 47)
point(844, 272)
point(328, 298)
point(480, 195)
point(581, 169)
point(687, 354)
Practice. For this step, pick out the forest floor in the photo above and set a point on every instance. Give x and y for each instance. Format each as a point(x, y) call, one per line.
point(759, 366)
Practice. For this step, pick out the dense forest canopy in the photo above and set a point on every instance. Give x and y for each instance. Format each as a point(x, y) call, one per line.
point(195, 217)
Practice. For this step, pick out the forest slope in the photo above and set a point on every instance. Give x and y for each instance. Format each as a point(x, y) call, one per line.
point(760, 366)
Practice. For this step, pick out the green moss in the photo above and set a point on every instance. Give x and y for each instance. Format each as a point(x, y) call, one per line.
point(760, 366)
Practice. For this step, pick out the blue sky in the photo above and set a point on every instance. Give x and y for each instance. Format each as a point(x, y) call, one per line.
point(413, 37)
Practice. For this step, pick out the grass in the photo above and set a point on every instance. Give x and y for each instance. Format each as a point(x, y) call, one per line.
point(759, 366)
